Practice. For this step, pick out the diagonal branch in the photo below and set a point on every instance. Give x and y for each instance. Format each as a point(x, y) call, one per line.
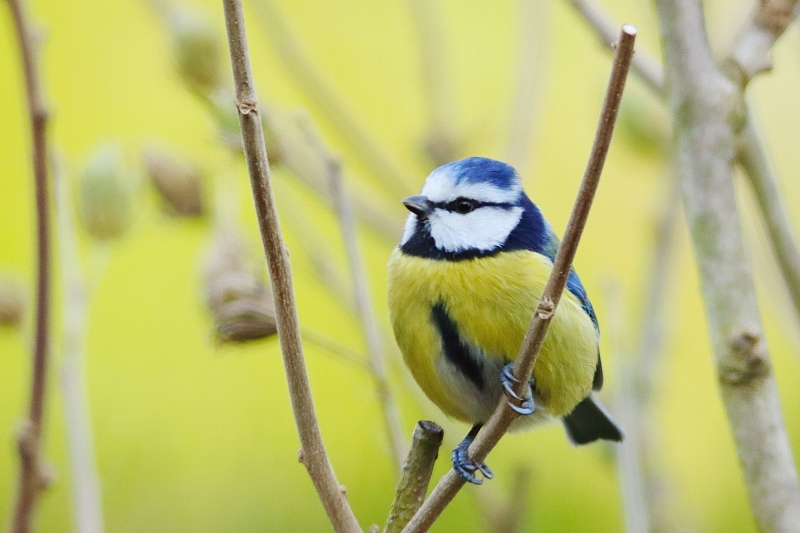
point(344, 210)
point(416, 475)
point(764, 183)
point(32, 479)
point(312, 453)
point(750, 53)
point(705, 103)
point(503, 415)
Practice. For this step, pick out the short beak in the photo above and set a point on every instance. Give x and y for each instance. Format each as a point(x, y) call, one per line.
point(419, 205)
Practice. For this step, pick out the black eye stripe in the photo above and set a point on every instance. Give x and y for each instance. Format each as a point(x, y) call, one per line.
point(451, 206)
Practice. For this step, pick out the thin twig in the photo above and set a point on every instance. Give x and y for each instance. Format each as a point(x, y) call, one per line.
point(312, 453)
point(441, 143)
point(644, 65)
point(750, 53)
point(360, 140)
point(341, 204)
point(764, 183)
point(705, 104)
point(32, 479)
point(503, 415)
point(87, 498)
point(416, 475)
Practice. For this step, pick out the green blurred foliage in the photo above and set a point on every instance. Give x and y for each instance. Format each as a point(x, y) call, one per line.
point(194, 436)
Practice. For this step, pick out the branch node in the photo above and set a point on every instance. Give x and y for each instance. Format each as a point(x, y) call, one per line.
point(775, 15)
point(546, 308)
point(247, 105)
point(747, 358)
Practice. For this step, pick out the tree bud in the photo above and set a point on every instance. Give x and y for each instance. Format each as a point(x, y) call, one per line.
point(106, 194)
point(178, 184)
point(13, 302)
point(197, 50)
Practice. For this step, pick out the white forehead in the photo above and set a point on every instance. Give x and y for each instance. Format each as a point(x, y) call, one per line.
point(443, 186)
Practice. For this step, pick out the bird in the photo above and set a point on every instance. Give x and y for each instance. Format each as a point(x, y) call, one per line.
point(463, 285)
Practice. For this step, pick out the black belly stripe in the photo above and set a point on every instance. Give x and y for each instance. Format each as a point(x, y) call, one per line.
point(455, 350)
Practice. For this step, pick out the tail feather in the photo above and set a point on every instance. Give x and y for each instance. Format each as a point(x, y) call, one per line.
point(589, 421)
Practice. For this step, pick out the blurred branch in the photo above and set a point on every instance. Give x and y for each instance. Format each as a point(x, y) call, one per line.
point(503, 415)
point(312, 453)
point(762, 179)
point(647, 67)
point(32, 477)
point(704, 104)
point(750, 53)
point(344, 211)
point(315, 246)
point(533, 31)
point(361, 141)
point(637, 376)
point(416, 474)
point(310, 169)
point(441, 144)
point(87, 497)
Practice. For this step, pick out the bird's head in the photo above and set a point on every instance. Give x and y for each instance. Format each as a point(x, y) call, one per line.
point(471, 208)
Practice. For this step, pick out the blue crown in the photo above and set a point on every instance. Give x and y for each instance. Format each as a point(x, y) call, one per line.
point(483, 170)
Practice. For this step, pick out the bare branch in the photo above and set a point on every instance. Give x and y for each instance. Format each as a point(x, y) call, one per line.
point(312, 454)
point(503, 415)
point(764, 183)
point(32, 479)
point(704, 103)
point(751, 52)
point(87, 499)
point(417, 470)
point(341, 203)
point(644, 65)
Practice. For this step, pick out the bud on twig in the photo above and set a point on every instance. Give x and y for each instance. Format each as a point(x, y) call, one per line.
point(106, 194)
point(13, 302)
point(178, 183)
point(197, 50)
point(240, 302)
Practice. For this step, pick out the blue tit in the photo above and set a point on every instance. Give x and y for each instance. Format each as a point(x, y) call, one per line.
point(463, 286)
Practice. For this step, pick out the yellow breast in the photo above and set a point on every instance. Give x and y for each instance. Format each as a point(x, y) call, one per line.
point(492, 300)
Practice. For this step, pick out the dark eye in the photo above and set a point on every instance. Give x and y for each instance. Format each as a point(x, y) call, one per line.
point(464, 205)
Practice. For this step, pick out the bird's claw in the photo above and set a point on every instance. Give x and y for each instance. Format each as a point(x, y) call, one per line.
point(508, 380)
point(465, 466)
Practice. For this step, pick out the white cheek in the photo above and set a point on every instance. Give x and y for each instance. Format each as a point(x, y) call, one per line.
point(484, 229)
point(411, 226)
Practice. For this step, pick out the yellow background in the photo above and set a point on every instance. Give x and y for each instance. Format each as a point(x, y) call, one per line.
point(193, 437)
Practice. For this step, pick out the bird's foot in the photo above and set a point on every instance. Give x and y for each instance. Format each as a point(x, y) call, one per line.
point(464, 465)
point(527, 407)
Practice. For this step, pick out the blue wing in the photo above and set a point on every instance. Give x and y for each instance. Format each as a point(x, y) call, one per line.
point(575, 286)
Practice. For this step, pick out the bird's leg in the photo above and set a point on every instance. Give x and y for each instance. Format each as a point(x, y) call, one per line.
point(508, 380)
point(466, 466)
